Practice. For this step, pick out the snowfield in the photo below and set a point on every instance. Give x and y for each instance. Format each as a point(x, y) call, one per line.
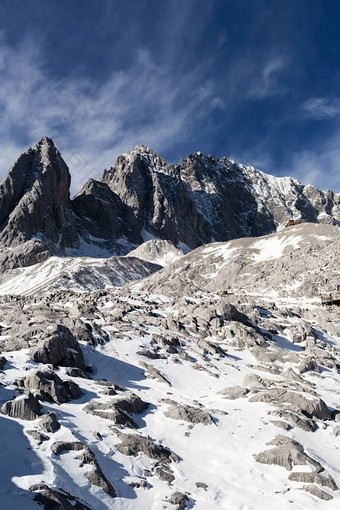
point(199, 389)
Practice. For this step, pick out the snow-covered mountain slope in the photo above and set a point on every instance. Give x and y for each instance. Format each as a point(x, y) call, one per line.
point(78, 274)
point(157, 251)
point(209, 384)
point(300, 261)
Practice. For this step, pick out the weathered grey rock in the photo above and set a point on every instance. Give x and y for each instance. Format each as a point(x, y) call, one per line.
point(336, 431)
point(38, 436)
point(281, 424)
point(164, 473)
point(50, 386)
point(298, 476)
point(132, 444)
point(61, 446)
point(26, 407)
point(97, 477)
point(153, 373)
point(34, 201)
point(179, 499)
point(316, 491)
point(150, 195)
point(60, 349)
point(49, 422)
point(159, 252)
point(210, 347)
point(118, 409)
point(287, 453)
point(109, 411)
point(234, 392)
point(297, 420)
point(307, 365)
point(176, 202)
point(336, 415)
point(171, 202)
point(167, 342)
point(140, 484)
point(149, 354)
point(299, 332)
point(105, 216)
point(298, 402)
point(55, 500)
point(130, 403)
point(255, 382)
point(202, 485)
point(193, 415)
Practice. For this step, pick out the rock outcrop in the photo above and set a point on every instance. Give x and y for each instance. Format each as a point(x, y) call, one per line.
point(50, 386)
point(24, 407)
point(59, 349)
point(35, 205)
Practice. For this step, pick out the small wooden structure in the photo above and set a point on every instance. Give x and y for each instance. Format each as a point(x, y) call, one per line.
point(290, 223)
point(330, 299)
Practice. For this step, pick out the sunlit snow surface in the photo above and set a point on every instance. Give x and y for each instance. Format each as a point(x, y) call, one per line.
point(273, 248)
point(221, 454)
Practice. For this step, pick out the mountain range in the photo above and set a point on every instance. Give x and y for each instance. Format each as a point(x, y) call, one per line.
point(141, 197)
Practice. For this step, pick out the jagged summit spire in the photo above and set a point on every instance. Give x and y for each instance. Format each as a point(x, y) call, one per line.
point(142, 150)
point(45, 141)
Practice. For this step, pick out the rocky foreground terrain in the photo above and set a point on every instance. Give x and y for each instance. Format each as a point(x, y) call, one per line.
point(156, 379)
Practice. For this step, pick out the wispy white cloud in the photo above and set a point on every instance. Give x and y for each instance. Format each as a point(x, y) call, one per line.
point(320, 108)
point(93, 122)
point(319, 167)
point(266, 83)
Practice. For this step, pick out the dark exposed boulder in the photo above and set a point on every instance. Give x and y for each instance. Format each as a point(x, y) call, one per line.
point(49, 422)
point(3, 362)
point(132, 444)
point(50, 386)
point(179, 499)
point(59, 349)
point(24, 407)
point(55, 500)
point(118, 409)
point(38, 436)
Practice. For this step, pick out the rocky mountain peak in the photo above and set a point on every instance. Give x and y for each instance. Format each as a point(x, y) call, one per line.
point(35, 203)
point(200, 200)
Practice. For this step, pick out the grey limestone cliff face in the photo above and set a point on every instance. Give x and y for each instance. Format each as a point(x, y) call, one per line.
point(103, 214)
point(35, 215)
point(35, 198)
point(159, 199)
point(207, 199)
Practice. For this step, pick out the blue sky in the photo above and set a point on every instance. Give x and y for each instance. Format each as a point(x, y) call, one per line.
point(256, 81)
